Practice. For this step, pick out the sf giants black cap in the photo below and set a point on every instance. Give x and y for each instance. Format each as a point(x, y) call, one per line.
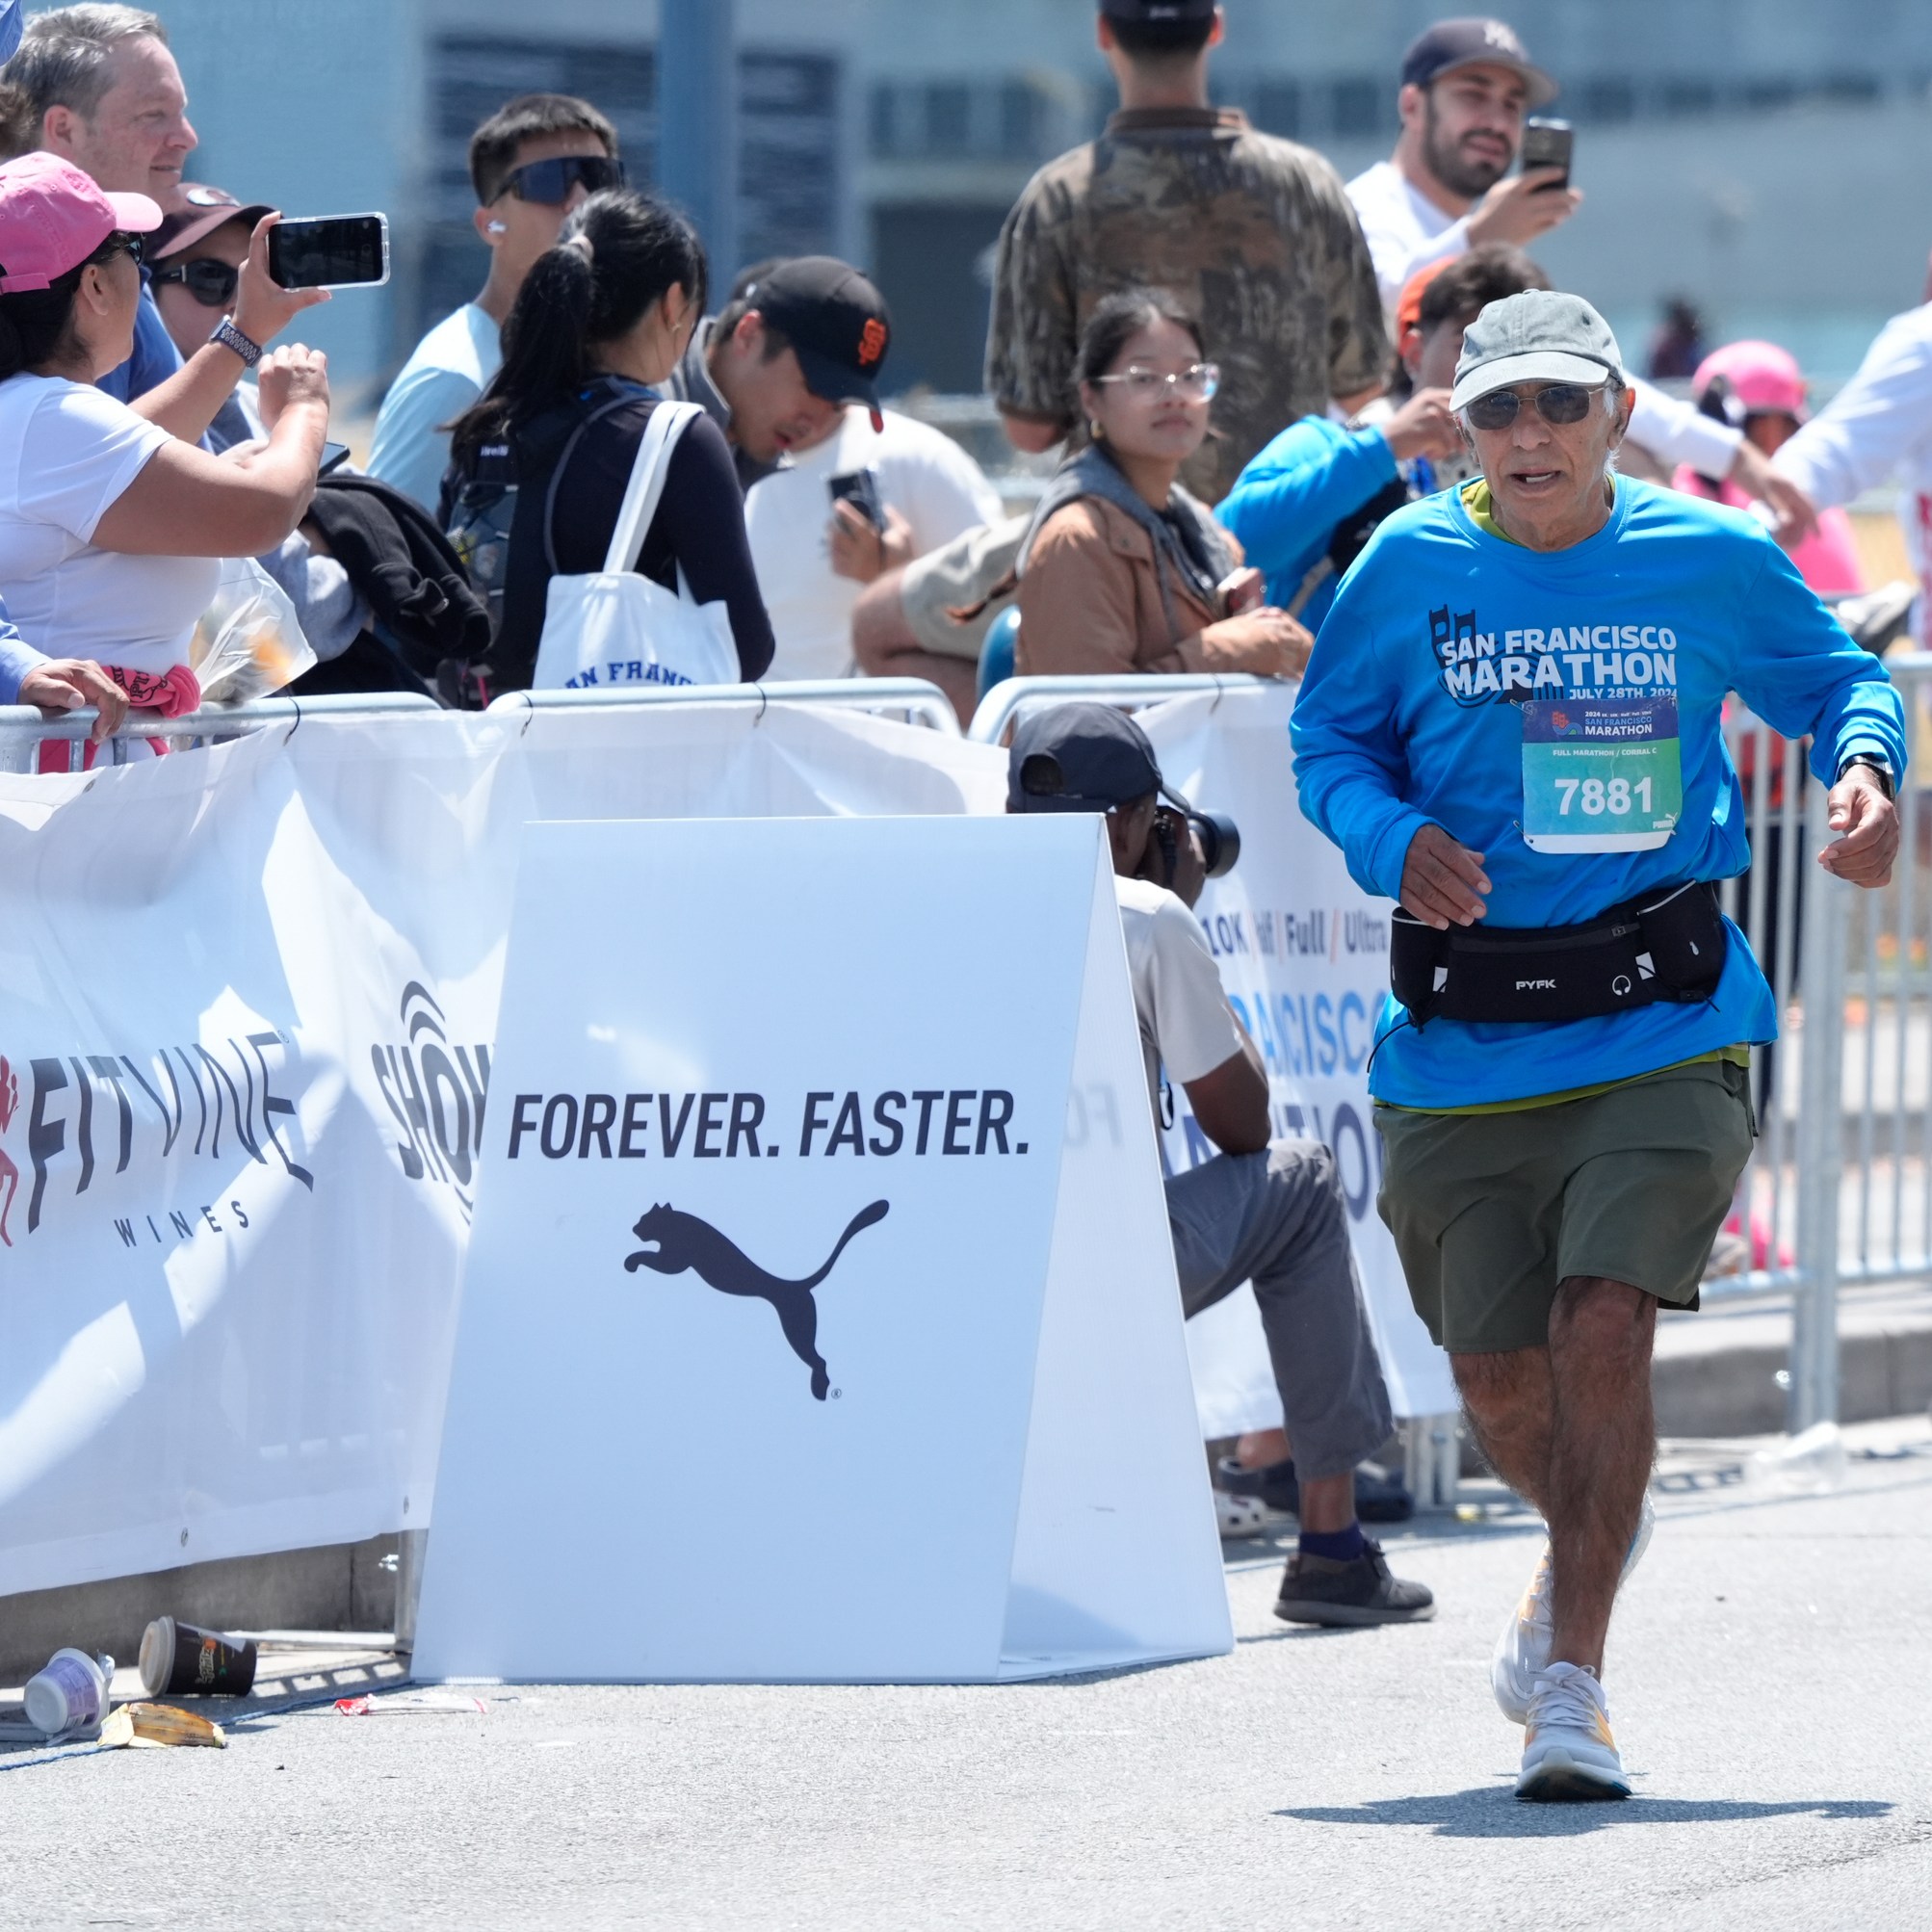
point(1473, 42)
point(835, 320)
point(1081, 758)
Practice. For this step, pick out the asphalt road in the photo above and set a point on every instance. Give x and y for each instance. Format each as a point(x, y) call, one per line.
point(1768, 1683)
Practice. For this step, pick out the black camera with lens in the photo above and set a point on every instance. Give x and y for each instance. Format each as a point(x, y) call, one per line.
point(1220, 836)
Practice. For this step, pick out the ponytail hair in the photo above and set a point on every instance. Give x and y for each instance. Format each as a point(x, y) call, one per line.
point(616, 256)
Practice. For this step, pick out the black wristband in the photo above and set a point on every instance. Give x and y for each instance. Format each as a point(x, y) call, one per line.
point(1874, 763)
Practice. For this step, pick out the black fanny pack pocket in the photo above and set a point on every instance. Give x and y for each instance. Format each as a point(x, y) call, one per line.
point(1671, 948)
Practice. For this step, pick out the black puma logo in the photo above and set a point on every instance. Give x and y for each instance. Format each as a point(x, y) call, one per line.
point(675, 1242)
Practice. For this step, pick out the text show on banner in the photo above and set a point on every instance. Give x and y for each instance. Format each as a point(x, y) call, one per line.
point(1304, 955)
point(247, 1004)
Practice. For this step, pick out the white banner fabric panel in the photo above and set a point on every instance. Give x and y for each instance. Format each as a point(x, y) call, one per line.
point(1304, 955)
point(247, 996)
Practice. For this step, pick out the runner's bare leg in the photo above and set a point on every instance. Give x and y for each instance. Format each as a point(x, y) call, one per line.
point(1601, 1452)
point(1510, 1402)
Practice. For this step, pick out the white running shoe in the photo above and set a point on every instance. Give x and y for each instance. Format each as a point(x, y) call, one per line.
point(1523, 1650)
point(1568, 1752)
point(1240, 1516)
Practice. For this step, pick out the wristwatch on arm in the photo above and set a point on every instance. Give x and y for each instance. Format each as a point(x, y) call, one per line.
point(1877, 764)
point(231, 337)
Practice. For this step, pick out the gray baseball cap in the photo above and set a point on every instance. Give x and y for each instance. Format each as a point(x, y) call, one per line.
point(1538, 336)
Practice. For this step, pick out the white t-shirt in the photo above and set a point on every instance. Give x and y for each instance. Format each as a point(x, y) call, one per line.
point(922, 474)
point(1404, 229)
point(1186, 1022)
point(66, 453)
point(1878, 426)
point(448, 371)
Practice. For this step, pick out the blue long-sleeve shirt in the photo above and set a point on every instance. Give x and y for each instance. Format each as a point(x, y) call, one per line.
point(17, 659)
point(1405, 719)
point(1286, 504)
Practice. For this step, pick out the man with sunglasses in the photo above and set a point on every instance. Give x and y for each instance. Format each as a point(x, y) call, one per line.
point(1513, 718)
point(531, 162)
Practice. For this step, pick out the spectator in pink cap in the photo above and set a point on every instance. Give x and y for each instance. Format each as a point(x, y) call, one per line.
point(1759, 388)
point(111, 526)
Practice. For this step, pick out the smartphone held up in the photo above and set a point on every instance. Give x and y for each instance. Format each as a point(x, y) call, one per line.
point(330, 251)
point(1548, 143)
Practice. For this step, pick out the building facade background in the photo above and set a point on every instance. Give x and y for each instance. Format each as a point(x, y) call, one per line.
point(1769, 159)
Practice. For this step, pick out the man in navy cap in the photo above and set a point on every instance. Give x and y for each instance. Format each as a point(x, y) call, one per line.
point(1252, 234)
point(1466, 86)
point(1270, 1211)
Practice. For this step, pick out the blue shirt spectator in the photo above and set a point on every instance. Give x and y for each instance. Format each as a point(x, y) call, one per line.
point(1306, 487)
point(17, 660)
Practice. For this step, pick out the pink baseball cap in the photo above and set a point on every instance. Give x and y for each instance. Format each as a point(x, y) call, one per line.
point(1764, 379)
point(53, 217)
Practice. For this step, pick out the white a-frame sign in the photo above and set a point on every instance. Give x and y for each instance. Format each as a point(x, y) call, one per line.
point(820, 1320)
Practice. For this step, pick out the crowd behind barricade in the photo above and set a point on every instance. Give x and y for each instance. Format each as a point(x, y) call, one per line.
point(1256, 375)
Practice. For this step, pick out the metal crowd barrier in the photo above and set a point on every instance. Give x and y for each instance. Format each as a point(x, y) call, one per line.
point(913, 699)
point(23, 728)
point(1005, 702)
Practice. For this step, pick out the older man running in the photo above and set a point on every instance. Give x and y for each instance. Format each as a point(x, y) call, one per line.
point(1511, 725)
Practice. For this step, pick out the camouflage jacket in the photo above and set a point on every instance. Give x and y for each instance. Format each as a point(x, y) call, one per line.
point(1252, 234)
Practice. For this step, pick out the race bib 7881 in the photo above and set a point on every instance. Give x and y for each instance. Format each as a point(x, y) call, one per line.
point(1601, 774)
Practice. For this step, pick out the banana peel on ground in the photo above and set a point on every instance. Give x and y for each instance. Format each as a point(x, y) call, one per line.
point(153, 1726)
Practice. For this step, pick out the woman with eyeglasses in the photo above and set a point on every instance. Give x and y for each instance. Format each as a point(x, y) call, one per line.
point(539, 466)
point(1123, 570)
point(532, 163)
point(110, 525)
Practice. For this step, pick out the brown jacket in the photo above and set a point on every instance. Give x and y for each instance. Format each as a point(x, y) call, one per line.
point(1090, 601)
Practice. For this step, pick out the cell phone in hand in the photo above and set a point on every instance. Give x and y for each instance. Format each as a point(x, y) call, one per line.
point(860, 490)
point(330, 251)
point(334, 456)
point(1546, 144)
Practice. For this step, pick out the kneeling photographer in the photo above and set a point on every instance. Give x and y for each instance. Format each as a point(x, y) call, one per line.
point(1268, 1213)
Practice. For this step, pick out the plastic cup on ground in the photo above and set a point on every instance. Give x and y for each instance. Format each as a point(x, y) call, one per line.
point(68, 1698)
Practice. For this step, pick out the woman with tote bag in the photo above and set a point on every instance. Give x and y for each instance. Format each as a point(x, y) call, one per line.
point(626, 561)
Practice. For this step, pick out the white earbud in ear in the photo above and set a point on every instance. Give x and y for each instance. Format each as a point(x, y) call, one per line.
point(497, 228)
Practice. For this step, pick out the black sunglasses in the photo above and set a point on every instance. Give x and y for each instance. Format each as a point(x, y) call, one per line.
point(120, 243)
point(210, 283)
point(1555, 403)
point(550, 182)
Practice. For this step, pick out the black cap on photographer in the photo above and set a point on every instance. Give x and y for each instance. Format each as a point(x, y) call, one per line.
point(1081, 758)
point(836, 322)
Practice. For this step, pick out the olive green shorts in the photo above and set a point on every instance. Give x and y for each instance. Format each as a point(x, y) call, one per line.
point(1491, 1211)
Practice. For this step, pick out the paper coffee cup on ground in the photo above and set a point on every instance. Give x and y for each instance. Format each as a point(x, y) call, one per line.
point(180, 1659)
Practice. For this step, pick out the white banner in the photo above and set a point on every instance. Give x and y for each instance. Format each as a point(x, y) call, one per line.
point(1304, 955)
point(246, 1001)
point(247, 1006)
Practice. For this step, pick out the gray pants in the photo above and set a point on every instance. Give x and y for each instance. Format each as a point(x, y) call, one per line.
point(1278, 1220)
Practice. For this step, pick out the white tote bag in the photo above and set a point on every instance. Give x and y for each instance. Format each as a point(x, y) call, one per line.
point(615, 627)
